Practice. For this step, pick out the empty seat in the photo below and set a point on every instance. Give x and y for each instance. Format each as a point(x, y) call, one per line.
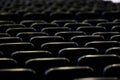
point(54, 47)
point(87, 15)
point(28, 23)
point(67, 35)
point(26, 36)
point(15, 31)
point(61, 23)
point(10, 16)
point(35, 16)
point(106, 35)
point(40, 65)
point(39, 40)
point(53, 30)
point(6, 22)
point(61, 16)
point(8, 63)
point(39, 26)
point(59, 73)
point(115, 38)
point(98, 62)
point(102, 46)
point(10, 39)
point(8, 48)
point(4, 27)
point(83, 39)
point(91, 29)
point(116, 28)
point(94, 22)
point(108, 25)
point(113, 50)
point(111, 15)
point(74, 53)
point(17, 74)
point(4, 35)
point(74, 26)
point(22, 56)
point(112, 70)
point(98, 78)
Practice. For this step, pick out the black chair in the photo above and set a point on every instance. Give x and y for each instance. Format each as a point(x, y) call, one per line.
point(53, 30)
point(108, 25)
point(54, 47)
point(98, 78)
point(112, 70)
point(102, 46)
point(67, 35)
point(94, 22)
point(61, 23)
point(17, 74)
point(115, 38)
point(39, 40)
point(8, 63)
point(83, 39)
point(39, 26)
point(74, 26)
point(106, 35)
point(111, 15)
point(59, 73)
point(4, 35)
point(91, 29)
point(9, 48)
point(22, 56)
point(34, 15)
point(6, 22)
point(113, 50)
point(10, 16)
point(115, 28)
point(15, 31)
point(40, 65)
point(87, 15)
point(75, 52)
point(28, 23)
point(98, 62)
point(61, 16)
point(26, 36)
point(10, 39)
point(4, 27)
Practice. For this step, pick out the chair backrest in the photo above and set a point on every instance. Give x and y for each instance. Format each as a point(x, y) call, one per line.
point(8, 63)
point(112, 70)
point(39, 40)
point(4, 27)
point(98, 78)
point(107, 35)
point(54, 47)
point(40, 65)
point(98, 62)
point(91, 29)
point(102, 46)
point(75, 52)
point(22, 56)
point(26, 36)
point(9, 48)
point(39, 26)
point(83, 39)
point(15, 31)
point(10, 39)
point(68, 72)
point(67, 35)
point(74, 26)
point(53, 30)
point(17, 74)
